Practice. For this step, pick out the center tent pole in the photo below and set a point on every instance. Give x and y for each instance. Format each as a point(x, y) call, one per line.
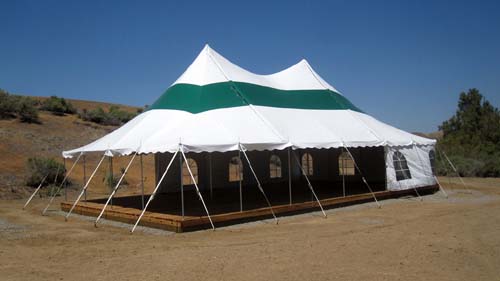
point(309, 184)
point(84, 187)
point(154, 191)
point(60, 186)
point(289, 177)
point(362, 177)
point(258, 182)
point(196, 185)
point(115, 189)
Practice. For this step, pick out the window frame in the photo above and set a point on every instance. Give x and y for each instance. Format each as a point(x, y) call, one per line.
point(238, 176)
point(344, 158)
point(275, 175)
point(401, 168)
point(193, 165)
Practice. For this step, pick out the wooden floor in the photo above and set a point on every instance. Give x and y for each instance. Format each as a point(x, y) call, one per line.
point(165, 214)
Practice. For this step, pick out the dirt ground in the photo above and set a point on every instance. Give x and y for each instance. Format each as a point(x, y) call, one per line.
point(436, 239)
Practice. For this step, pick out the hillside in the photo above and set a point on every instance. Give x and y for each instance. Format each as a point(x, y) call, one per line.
point(20, 141)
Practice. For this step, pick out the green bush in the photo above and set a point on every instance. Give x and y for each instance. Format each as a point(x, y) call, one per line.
point(115, 116)
point(39, 167)
point(58, 106)
point(12, 106)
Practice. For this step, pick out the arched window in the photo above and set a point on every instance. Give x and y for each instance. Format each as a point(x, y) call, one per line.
point(400, 166)
point(346, 164)
point(307, 164)
point(235, 169)
point(432, 159)
point(275, 167)
point(186, 177)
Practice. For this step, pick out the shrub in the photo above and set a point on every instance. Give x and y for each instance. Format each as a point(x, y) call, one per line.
point(115, 116)
point(39, 167)
point(58, 106)
point(27, 111)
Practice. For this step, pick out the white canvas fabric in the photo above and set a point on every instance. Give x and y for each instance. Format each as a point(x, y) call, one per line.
point(259, 127)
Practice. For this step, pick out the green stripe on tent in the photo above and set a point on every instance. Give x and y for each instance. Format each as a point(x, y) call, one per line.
point(195, 99)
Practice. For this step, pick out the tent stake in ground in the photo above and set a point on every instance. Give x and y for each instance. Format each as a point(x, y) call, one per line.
point(36, 190)
point(362, 176)
point(196, 186)
point(60, 186)
point(309, 184)
point(115, 189)
point(84, 187)
point(154, 191)
point(258, 182)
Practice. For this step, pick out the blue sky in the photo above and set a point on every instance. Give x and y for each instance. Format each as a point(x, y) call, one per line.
point(404, 62)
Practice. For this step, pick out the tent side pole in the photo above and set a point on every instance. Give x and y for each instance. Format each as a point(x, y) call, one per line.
point(112, 177)
point(181, 172)
point(210, 176)
point(60, 186)
point(197, 189)
point(289, 177)
point(85, 187)
point(142, 182)
point(258, 183)
point(239, 177)
point(309, 184)
point(343, 174)
point(65, 189)
point(115, 189)
point(36, 190)
point(362, 176)
point(84, 177)
point(154, 191)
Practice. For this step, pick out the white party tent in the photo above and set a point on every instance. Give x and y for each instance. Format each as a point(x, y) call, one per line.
point(217, 106)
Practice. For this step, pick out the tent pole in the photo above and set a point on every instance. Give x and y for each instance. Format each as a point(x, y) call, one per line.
point(210, 175)
point(84, 187)
point(181, 169)
point(196, 185)
point(309, 184)
point(239, 177)
point(65, 189)
point(258, 182)
point(84, 178)
point(112, 177)
point(36, 190)
point(60, 186)
point(154, 191)
point(115, 189)
point(142, 182)
point(343, 174)
point(289, 177)
point(362, 177)
point(456, 171)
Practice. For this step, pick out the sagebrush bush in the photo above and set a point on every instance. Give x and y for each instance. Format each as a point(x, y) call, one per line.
point(115, 116)
point(39, 167)
point(12, 106)
point(58, 106)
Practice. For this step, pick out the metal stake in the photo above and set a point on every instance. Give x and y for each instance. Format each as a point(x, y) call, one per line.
point(154, 191)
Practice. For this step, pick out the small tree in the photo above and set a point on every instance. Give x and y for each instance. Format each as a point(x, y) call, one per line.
point(58, 106)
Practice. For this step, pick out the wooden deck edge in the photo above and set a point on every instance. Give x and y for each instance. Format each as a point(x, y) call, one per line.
point(178, 224)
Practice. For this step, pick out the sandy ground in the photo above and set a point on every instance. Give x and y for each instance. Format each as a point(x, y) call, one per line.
point(437, 239)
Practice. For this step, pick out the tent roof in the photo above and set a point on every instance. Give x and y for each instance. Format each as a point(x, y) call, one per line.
point(216, 105)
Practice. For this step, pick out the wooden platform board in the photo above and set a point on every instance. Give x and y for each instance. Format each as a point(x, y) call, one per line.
point(179, 224)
